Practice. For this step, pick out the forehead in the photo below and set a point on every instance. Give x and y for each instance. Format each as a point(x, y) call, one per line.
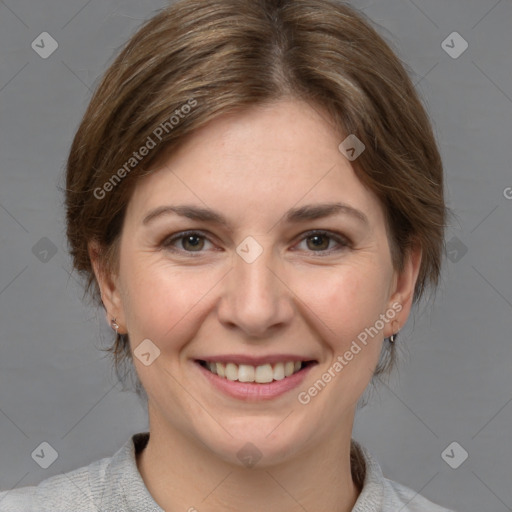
point(260, 160)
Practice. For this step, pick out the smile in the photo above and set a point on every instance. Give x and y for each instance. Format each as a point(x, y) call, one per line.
point(262, 374)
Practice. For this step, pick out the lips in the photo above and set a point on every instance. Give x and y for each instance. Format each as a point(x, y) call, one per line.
point(256, 384)
point(239, 359)
point(263, 373)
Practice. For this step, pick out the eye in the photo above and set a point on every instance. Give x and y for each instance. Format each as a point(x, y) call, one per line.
point(195, 241)
point(191, 241)
point(320, 241)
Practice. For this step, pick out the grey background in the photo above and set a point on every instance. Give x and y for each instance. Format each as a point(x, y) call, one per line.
point(57, 386)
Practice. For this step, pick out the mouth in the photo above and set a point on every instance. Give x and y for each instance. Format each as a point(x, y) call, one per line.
point(261, 374)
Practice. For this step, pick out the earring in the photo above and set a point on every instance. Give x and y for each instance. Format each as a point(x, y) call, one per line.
point(114, 325)
point(394, 336)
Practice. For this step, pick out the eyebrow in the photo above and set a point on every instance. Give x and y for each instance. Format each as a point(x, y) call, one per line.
point(294, 215)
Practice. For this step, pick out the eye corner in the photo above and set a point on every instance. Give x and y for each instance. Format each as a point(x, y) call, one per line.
point(342, 241)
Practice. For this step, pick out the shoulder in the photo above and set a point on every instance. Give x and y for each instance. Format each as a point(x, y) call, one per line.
point(380, 494)
point(74, 490)
point(111, 484)
point(396, 494)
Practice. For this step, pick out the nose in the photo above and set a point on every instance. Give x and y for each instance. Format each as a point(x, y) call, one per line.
point(256, 298)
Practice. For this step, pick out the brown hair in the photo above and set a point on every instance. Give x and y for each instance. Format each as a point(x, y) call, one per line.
point(198, 59)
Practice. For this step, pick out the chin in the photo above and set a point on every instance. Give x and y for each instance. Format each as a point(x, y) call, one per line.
point(258, 442)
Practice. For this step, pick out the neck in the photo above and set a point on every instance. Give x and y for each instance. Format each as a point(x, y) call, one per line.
point(181, 474)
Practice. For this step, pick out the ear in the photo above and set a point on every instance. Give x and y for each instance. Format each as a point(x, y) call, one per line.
point(109, 287)
point(403, 290)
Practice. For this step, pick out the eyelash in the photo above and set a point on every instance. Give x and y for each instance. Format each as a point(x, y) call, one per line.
point(341, 240)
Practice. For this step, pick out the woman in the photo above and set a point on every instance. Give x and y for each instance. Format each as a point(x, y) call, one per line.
point(255, 196)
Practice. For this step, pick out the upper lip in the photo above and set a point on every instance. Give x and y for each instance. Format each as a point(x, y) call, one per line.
point(255, 360)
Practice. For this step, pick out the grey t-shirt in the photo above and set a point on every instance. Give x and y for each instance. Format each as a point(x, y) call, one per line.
point(114, 484)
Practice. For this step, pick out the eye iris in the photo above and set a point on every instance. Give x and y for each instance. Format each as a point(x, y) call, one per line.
point(196, 242)
point(189, 239)
point(318, 241)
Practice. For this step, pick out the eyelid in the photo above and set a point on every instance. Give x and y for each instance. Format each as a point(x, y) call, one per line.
point(169, 240)
point(342, 240)
point(339, 238)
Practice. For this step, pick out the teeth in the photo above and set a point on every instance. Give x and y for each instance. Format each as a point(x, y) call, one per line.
point(231, 371)
point(279, 371)
point(246, 373)
point(289, 368)
point(262, 374)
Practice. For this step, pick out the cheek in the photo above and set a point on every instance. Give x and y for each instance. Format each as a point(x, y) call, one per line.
point(164, 303)
point(346, 299)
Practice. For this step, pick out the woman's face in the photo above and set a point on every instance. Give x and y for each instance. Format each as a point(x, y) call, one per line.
point(253, 268)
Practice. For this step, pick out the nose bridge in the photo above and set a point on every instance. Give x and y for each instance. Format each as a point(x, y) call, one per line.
point(255, 298)
point(253, 278)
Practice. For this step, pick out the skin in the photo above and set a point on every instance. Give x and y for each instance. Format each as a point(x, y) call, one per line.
point(303, 295)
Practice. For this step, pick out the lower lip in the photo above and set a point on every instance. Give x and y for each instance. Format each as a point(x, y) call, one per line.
point(251, 391)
